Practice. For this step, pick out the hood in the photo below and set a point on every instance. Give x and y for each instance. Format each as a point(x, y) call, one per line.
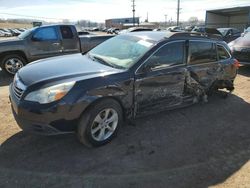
point(62, 67)
point(13, 41)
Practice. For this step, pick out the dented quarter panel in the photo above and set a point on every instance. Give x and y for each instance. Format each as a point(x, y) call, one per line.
point(210, 73)
point(206, 74)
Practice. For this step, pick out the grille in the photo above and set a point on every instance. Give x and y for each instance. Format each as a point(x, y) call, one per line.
point(17, 91)
point(18, 88)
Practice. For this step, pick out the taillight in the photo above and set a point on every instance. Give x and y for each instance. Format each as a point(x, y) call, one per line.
point(236, 63)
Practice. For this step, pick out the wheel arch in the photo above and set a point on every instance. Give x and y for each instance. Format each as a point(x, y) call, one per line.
point(16, 52)
point(97, 100)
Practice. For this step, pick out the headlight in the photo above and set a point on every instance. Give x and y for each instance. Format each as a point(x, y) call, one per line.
point(50, 94)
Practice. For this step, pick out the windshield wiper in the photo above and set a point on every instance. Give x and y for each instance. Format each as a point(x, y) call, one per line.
point(101, 60)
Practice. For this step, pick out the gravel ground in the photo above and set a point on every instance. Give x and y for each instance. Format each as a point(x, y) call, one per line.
point(204, 145)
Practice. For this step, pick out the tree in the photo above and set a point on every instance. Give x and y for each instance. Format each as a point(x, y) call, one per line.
point(193, 20)
point(66, 21)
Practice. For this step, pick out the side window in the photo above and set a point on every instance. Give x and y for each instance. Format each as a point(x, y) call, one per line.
point(66, 32)
point(222, 53)
point(169, 54)
point(201, 52)
point(44, 34)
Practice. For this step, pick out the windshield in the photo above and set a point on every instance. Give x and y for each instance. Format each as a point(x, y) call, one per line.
point(121, 51)
point(26, 33)
point(223, 31)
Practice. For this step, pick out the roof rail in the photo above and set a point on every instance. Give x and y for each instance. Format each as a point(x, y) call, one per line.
point(196, 34)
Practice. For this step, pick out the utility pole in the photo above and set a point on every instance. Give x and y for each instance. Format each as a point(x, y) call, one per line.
point(166, 16)
point(133, 10)
point(178, 12)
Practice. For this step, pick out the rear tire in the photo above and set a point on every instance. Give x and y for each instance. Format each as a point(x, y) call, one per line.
point(12, 63)
point(100, 123)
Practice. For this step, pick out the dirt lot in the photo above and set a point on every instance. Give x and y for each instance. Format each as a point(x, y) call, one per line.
point(205, 145)
point(15, 25)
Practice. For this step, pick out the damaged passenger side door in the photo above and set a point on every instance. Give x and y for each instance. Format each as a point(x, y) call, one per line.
point(159, 82)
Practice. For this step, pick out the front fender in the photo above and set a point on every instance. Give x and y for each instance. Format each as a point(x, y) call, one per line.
point(122, 92)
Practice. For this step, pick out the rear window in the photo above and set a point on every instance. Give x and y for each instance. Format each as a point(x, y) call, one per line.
point(201, 52)
point(66, 32)
point(222, 53)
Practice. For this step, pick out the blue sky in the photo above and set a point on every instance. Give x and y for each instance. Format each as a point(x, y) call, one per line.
point(99, 10)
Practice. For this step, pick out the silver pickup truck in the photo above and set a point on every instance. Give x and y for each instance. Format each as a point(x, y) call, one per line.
point(43, 42)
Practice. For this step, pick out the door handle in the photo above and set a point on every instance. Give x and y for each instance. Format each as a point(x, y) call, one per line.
point(56, 44)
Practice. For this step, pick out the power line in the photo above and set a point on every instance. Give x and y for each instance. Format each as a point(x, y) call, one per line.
point(178, 12)
point(133, 10)
point(28, 16)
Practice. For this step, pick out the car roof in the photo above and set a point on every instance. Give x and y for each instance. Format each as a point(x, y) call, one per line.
point(158, 36)
point(227, 28)
point(149, 35)
point(53, 25)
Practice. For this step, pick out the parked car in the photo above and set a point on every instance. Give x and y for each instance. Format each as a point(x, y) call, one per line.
point(211, 32)
point(8, 31)
point(2, 34)
point(125, 77)
point(14, 32)
point(135, 29)
point(189, 28)
point(109, 31)
point(175, 29)
point(5, 33)
point(241, 48)
point(21, 30)
point(113, 31)
point(95, 29)
point(158, 29)
point(42, 42)
point(229, 34)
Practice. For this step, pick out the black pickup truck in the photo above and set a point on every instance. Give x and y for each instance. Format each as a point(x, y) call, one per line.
point(43, 42)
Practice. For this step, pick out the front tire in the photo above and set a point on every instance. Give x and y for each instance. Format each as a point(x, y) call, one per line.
point(100, 123)
point(12, 63)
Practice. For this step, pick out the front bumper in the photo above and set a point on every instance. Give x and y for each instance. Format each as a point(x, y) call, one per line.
point(35, 127)
point(47, 119)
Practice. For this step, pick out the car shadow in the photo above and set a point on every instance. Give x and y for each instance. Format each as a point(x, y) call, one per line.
point(198, 146)
point(5, 79)
point(244, 70)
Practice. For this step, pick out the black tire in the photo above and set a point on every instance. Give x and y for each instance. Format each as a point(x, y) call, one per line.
point(85, 123)
point(5, 59)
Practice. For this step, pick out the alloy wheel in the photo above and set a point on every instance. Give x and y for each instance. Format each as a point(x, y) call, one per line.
point(104, 124)
point(12, 65)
